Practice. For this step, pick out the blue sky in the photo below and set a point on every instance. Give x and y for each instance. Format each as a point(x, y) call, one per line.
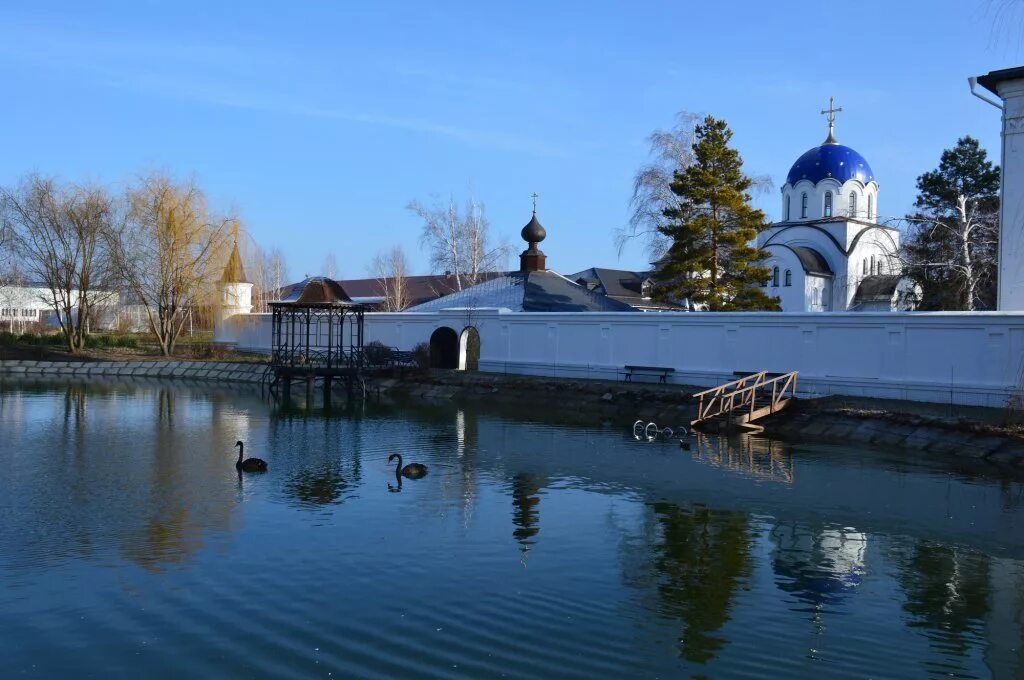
point(318, 122)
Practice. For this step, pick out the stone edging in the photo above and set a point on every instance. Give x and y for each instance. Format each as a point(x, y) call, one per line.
point(222, 371)
point(921, 436)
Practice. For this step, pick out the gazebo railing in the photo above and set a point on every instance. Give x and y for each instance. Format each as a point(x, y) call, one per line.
point(317, 357)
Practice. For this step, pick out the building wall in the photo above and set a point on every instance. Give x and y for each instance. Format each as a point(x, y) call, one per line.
point(22, 305)
point(963, 358)
point(840, 200)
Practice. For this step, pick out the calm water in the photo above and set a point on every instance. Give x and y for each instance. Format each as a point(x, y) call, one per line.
point(129, 547)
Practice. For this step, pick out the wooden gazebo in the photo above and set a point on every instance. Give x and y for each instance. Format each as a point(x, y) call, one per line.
point(316, 332)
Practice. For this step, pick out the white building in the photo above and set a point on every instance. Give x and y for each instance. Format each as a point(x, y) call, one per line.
point(24, 305)
point(829, 253)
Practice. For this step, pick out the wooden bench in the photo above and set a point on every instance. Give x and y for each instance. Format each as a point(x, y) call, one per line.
point(661, 371)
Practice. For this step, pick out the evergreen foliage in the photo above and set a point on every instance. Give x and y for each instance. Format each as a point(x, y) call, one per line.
point(952, 246)
point(710, 260)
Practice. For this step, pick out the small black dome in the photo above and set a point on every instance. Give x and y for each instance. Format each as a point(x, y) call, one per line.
point(533, 232)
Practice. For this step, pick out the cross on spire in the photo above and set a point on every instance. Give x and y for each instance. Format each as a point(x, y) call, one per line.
point(830, 116)
point(534, 197)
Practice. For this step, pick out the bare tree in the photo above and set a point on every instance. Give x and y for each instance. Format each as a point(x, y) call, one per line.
point(390, 268)
point(671, 151)
point(330, 266)
point(168, 252)
point(970, 240)
point(58, 233)
point(277, 270)
point(952, 239)
point(459, 241)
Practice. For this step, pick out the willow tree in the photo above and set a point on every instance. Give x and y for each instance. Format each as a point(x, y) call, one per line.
point(711, 260)
point(169, 252)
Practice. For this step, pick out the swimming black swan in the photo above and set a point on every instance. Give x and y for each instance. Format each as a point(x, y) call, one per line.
point(412, 470)
point(249, 464)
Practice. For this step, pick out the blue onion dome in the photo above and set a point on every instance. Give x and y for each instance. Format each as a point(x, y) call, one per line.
point(832, 161)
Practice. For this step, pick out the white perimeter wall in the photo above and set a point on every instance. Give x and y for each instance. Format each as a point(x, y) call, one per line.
point(965, 358)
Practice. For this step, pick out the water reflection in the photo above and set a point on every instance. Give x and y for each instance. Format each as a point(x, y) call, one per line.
point(526, 509)
point(702, 559)
point(746, 454)
point(947, 591)
point(818, 565)
point(680, 563)
point(319, 487)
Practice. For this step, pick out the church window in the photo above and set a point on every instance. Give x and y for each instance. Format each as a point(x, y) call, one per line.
point(814, 296)
point(789, 277)
point(873, 271)
point(787, 208)
point(803, 204)
point(775, 277)
point(853, 204)
point(865, 268)
point(828, 204)
point(871, 207)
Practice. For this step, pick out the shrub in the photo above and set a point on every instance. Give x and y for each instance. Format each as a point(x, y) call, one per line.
point(107, 341)
point(39, 339)
point(421, 355)
point(377, 353)
point(7, 338)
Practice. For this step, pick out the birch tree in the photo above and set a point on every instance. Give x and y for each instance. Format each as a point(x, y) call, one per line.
point(277, 270)
point(459, 240)
point(57, 232)
point(330, 266)
point(168, 252)
point(391, 269)
point(952, 243)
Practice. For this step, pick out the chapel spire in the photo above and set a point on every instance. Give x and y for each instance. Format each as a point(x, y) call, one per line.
point(233, 270)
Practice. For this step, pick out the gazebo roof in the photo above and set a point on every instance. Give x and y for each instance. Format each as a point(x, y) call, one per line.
point(316, 291)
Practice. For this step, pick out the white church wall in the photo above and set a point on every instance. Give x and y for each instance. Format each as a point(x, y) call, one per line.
point(962, 358)
point(791, 297)
point(818, 293)
point(817, 203)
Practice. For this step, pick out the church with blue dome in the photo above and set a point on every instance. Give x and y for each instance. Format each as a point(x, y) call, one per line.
point(829, 252)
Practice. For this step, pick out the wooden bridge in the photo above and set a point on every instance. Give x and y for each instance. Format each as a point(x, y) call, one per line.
point(740, 402)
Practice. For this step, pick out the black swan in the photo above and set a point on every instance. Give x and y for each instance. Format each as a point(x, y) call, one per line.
point(249, 464)
point(412, 470)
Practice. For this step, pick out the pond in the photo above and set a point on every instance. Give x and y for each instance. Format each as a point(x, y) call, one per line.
point(538, 545)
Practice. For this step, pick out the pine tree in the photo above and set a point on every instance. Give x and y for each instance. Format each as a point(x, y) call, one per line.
point(710, 260)
point(952, 246)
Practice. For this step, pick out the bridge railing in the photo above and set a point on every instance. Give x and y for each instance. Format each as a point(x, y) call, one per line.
point(741, 395)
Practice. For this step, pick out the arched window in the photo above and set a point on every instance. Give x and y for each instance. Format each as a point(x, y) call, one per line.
point(789, 277)
point(775, 277)
point(803, 204)
point(853, 204)
point(814, 297)
point(871, 207)
point(865, 267)
point(786, 218)
point(828, 204)
point(873, 272)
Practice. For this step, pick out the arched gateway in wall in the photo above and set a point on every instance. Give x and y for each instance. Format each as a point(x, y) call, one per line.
point(444, 348)
point(469, 349)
